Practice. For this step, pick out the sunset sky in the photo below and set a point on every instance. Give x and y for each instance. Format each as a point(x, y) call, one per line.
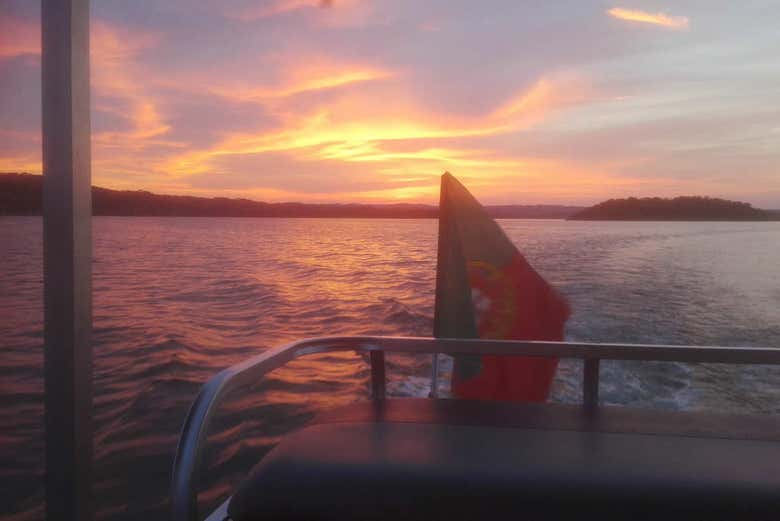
point(357, 101)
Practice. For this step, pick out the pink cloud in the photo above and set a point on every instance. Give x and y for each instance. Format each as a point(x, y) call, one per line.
point(18, 37)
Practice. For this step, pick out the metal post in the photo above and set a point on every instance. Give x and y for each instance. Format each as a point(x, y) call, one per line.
point(434, 376)
point(67, 249)
point(377, 374)
point(590, 384)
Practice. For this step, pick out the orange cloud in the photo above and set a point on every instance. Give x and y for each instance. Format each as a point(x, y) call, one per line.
point(276, 7)
point(339, 79)
point(112, 53)
point(391, 140)
point(21, 151)
point(302, 81)
point(378, 131)
point(266, 9)
point(30, 163)
point(18, 37)
point(662, 19)
point(121, 89)
point(119, 85)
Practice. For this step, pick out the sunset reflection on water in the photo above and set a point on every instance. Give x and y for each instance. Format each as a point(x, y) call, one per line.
point(176, 300)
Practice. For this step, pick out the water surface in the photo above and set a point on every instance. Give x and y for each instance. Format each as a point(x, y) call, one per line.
point(177, 299)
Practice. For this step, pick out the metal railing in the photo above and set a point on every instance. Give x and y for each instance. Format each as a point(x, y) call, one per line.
point(193, 436)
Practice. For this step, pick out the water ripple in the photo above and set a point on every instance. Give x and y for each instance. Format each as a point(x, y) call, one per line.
point(176, 300)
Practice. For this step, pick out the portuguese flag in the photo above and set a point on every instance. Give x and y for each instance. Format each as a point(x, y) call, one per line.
point(486, 289)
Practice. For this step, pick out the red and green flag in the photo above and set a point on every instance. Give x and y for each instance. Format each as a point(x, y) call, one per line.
point(486, 289)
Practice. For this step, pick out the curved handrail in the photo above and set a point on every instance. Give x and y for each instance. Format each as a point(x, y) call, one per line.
point(188, 452)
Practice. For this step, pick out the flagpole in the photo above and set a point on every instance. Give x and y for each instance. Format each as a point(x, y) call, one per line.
point(435, 376)
point(443, 236)
point(452, 316)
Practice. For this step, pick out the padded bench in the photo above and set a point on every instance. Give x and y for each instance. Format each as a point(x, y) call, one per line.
point(452, 459)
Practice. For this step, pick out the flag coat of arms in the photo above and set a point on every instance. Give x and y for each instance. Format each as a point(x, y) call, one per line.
point(486, 289)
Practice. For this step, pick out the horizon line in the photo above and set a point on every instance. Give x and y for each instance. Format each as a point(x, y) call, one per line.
point(399, 203)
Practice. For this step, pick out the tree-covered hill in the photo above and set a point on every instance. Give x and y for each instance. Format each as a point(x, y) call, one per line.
point(689, 208)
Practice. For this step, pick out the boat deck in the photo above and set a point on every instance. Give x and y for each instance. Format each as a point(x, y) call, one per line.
point(431, 459)
point(454, 459)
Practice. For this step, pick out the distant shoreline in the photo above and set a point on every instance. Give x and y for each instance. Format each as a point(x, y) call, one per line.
point(21, 195)
point(367, 217)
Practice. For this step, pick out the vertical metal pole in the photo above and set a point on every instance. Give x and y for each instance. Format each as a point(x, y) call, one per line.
point(435, 376)
point(377, 374)
point(67, 258)
point(590, 384)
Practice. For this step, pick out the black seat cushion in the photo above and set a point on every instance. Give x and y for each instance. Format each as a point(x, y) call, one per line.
point(456, 470)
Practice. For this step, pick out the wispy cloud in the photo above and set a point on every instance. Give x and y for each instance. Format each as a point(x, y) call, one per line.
point(131, 135)
point(120, 96)
point(355, 100)
point(399, 137)
point(20, 151)
point(115, 76)
point(301, 80)
point(18, 37)
point(662, 19)
point(259, 10)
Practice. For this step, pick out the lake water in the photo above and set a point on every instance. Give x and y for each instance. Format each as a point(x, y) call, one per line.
point(177, 299)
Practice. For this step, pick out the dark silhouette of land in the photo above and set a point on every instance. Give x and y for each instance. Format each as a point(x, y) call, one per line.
point(678, 209)
point(20, 194)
